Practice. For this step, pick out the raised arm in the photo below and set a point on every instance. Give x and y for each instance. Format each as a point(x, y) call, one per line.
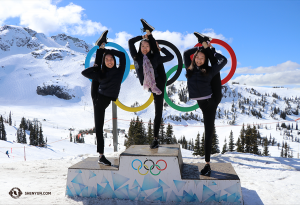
point(168, 56)
point(131, 43)
point(221, 62)
point(187, 58)
point(153, 45)
point(99, 56)
point(121, 56)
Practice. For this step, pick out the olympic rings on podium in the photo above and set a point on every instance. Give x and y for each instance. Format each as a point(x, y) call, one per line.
point(114, 45)
point(140, 172)
point(151, 167)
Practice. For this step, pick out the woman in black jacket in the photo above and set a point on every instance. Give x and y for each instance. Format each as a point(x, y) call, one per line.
point(150, 71)
point(109, 78)
point(199, 76)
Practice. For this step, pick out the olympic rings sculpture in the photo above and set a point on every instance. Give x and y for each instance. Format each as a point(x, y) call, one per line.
point(177, 68)
point(151, 167)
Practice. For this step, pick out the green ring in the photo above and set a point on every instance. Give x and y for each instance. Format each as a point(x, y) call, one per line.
point(167, 99)
point(157, 173)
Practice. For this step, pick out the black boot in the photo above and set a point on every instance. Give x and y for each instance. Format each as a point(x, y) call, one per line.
point(154, 144)
point(201, 37)
point(102, 38)
point(103, 160)
point(206, 170)
point(146, 26)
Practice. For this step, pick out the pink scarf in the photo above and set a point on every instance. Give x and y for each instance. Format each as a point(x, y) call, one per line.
point(149, 80)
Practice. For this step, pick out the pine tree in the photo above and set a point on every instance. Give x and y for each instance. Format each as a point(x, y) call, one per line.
point(41, 137)
point(169, 133)
point(239, 147)
point(24, 140)
point(2, 130)
point(197, 145)
point(254, 141)
point(140, 133)
point(242, 137)
point(248, 139)
point(9, 119)
point(266, 150)
point(150, 132)
point(202, 145)
point(162, 132)
point(231, 142)
point(32, 136)
point(131, 130)
point(225, 148)
point(215, 143)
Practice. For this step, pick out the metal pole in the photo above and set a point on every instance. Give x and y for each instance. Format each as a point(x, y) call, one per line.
point(115, 126)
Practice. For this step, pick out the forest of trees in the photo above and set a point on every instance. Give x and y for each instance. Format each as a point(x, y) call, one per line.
point(36, 137)
point(138, 135)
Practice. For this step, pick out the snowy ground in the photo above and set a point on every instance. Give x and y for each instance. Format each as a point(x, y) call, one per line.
point(264, 180)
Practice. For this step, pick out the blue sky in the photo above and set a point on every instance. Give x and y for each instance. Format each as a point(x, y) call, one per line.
point(263, 34)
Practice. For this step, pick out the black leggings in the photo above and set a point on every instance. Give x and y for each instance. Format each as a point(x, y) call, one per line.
point(158, 105)
point(100, 104)
point(208, 107)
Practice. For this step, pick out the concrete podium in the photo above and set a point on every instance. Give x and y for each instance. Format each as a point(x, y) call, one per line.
point(146, 174)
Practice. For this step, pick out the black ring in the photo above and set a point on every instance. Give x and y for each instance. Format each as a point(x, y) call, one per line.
point(151, 161)
point(179, 57)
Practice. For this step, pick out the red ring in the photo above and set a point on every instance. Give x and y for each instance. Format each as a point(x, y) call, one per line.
point(164, 162)
point(232, 56)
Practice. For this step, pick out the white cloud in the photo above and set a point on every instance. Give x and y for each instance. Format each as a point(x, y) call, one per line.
point(122, 39)
point(271, 79)
point(44, 16)
point(283, 67)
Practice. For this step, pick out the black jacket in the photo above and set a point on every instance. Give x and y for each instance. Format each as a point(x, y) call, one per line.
point(155, 59)
point(111, 83)
point(198, 84)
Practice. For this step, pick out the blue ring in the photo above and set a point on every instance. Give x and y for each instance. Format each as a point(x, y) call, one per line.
point(114, 45)
point(134, 161)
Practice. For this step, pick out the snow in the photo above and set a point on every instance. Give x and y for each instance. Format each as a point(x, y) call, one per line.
point(264, 180)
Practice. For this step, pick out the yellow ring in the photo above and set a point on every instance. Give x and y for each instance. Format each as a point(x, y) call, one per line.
point(140, 172)
point(135, 109)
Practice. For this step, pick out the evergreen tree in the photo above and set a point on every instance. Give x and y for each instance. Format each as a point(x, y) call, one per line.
point(266, 150)
point(32, 136)
point(150, 132)
point(197, 145)
point(215, 143)
point(131, 133)
point(140, 133)
point(162, 132)
point(225, 148)
point(248, 139)
point(169, 134)
point(239, 147)
point(231, 142)
point(9, 119)
point(2, 130)
point(242, 137)
point(41, 137)
point(202, 145)
point(254, 141)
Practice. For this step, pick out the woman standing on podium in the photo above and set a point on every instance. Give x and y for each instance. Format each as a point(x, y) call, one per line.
point(150, 70)
point(106, 82)
point(199, 77)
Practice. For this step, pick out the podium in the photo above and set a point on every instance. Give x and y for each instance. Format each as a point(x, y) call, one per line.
point(145, 174)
